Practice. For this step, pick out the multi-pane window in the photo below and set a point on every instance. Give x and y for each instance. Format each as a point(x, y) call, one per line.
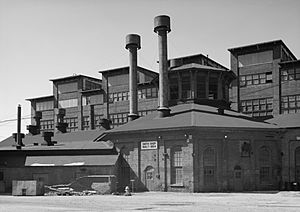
point(201, 86)
point(118, 119)
point(48, 105)
point(177, 170)
point(92, 100)
point(173, 83)
point(147, 93)
point(118, 96)
point(97, 121)
point(145, 112)
point(86, 122)
point(68, 103)
point(72, 124)
point(258, 107)
point(256, 79)
point(290, 74)
point(47, 125)
point(290, 104)
point(264, 158)
point(186, 85)
point(213, 87)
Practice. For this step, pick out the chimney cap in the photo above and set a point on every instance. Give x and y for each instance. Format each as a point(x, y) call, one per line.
point(162, 22)
point(133, 39)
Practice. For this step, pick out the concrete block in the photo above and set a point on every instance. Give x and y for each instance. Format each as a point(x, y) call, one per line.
point(27, 188)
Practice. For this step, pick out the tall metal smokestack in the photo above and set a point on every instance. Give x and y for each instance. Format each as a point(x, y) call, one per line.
point(133, 43)
point(18, 136)
point(162, 27)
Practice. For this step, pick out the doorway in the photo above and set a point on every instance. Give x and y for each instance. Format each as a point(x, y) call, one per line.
point(238, 178)
point(149, 178)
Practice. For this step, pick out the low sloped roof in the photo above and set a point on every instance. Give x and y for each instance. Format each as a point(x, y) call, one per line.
point(193, 115)
point(71, 160)
point(196, 66)
point(65, 141)
point(286, 120)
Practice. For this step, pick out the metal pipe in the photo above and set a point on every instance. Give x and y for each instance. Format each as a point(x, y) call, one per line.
point(19, 138)
point(161, 27)
point(133, 43)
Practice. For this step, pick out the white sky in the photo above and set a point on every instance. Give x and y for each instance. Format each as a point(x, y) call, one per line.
point(48, 39)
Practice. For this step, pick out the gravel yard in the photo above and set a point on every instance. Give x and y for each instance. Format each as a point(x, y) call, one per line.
point(156, 201)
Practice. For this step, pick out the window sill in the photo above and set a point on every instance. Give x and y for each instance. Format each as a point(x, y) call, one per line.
point(177, 185)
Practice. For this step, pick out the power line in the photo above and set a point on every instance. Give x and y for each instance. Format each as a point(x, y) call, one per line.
point(11, 120)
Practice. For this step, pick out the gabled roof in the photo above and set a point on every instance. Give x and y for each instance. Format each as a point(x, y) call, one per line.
point(192, 115)
point(78, 140)
point(286, 120)
point(197, 56)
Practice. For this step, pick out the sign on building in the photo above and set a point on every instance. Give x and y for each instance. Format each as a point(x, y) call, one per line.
point(145, 145)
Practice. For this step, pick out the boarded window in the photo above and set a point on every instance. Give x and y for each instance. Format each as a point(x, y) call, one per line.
point(209, 162)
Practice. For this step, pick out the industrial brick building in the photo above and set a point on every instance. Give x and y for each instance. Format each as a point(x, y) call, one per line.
point(268, 80)
point(177, 130)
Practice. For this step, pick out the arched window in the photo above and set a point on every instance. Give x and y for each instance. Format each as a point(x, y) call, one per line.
point(209, 165)
point(297, 164)
point(265, 165)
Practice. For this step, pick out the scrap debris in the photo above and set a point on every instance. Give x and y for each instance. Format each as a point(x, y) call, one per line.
point(63, 190)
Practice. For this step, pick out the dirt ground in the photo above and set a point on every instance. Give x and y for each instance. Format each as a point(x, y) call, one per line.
point(156, 201)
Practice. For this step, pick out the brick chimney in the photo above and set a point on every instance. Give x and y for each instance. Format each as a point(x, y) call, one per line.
point(133, 43)
point(162, 27)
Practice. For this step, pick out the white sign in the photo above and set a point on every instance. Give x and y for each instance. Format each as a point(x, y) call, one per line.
point(148, 145)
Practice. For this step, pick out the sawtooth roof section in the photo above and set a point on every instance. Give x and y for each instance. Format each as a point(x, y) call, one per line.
point(192, 115)
point(286, 120)
point(79, 140)
point(72, 160)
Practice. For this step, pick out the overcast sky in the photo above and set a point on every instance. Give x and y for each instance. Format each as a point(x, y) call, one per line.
point(48, 39)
